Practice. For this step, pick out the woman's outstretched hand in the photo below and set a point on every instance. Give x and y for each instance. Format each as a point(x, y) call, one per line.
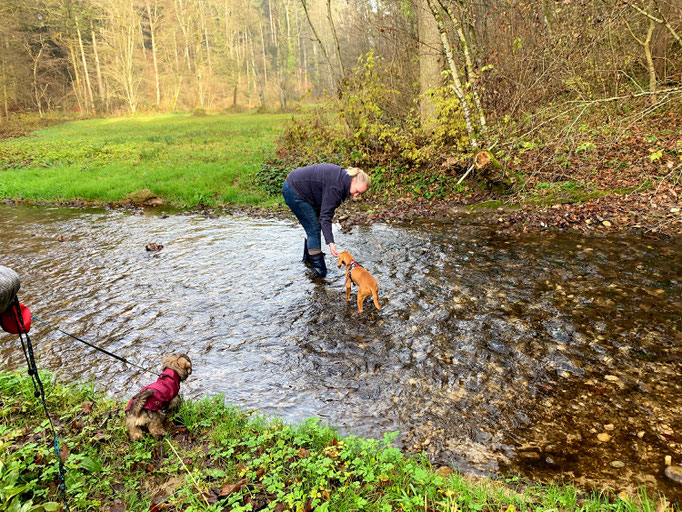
point(332, 249)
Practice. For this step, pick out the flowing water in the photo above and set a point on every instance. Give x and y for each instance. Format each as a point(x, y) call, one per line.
point(494, 353)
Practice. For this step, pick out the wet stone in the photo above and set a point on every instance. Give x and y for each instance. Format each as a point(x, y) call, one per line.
point(604, 437)
point(617, 464)
point(674, 473)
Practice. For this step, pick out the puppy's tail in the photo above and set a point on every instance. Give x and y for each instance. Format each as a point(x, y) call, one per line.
point(139, 401)
point(375, 296)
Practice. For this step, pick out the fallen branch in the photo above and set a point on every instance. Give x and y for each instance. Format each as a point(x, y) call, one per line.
point(471, 168)
point(190, 474)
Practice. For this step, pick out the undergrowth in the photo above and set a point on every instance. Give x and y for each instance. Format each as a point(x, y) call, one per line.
point(222, 458)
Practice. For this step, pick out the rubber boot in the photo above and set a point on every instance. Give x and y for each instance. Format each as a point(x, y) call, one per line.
point(306, 255)
point(318, 264)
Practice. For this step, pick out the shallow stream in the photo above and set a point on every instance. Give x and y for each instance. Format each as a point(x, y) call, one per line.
point(495, 354)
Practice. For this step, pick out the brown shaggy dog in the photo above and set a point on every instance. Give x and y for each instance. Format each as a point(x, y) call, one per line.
point(149, 408)
point(366, 283)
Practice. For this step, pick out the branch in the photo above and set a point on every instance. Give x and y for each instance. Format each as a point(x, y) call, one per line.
point(312, 27)
point(671, 90)
point(633, 34)
point(663, 21)
point(648, 15)
point(188, 472)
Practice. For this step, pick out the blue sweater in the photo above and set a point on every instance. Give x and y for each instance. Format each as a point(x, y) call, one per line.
point(324, 187)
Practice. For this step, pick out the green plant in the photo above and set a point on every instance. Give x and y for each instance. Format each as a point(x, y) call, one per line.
point(306, 466)
point(585, 146)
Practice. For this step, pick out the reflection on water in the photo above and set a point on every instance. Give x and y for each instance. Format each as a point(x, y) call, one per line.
point(491, 353)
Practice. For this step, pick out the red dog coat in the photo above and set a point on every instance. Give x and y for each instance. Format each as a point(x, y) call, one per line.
point(165, 389)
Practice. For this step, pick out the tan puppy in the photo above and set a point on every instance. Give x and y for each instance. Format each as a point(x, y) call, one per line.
point(366, 283)
point(149, 408)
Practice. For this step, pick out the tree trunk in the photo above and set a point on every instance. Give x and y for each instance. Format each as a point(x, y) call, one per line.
point(492, 172)
point(336, 39)
point(265, 62)
point(258, 81)
point(152, 21)
point(206, 41)
point(182, 21)
point(5, 79)
point(178, 75)
point(471, 76)
point(77, 87)
point(646, 45)
point(240, 63)
point(454, 71)
point(37, 95)
point(430, 61)
point(6, 102)
point(317, 38)
point(278, 61)
point(98, 68)
point(85, 66)
point(650, 61)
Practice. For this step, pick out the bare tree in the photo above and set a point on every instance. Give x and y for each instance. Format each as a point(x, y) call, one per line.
point(645, 42)
point(152, 19)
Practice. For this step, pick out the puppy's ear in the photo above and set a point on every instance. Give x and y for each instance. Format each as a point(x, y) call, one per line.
point(186, 364)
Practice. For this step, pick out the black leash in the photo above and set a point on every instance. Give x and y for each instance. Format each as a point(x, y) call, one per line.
point(39, 392)
point(123, 360)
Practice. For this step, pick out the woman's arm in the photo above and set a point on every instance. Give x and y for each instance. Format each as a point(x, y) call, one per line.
point(331, 199)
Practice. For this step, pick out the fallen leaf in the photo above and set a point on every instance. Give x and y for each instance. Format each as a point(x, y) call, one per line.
point(63, 452)
point(230, 488)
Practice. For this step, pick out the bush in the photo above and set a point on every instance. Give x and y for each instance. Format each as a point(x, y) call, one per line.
point(271, 176)
point(364, 128)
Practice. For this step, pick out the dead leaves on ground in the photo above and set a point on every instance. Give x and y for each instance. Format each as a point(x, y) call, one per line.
point(657, 211)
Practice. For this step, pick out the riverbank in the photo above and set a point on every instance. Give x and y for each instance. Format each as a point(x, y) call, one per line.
point(229, 459)
point(214, 164)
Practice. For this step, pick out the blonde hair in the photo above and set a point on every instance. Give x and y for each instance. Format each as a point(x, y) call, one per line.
point(361, 175)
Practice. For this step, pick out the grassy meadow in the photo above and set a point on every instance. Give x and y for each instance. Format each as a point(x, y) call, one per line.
point(182, 159)
point(222, 458)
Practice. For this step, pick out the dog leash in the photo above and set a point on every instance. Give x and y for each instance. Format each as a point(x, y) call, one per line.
point(100, 349)
point(39, 391)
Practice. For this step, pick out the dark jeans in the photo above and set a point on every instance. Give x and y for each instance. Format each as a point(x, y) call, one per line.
point(306, 215)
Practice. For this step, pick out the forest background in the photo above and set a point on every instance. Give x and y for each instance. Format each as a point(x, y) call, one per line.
point(544, 102)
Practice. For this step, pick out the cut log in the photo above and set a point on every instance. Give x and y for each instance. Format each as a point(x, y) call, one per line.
point(492, 172)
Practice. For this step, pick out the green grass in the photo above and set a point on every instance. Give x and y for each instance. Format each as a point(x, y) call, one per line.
point(185, 160)
point(280, 466)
